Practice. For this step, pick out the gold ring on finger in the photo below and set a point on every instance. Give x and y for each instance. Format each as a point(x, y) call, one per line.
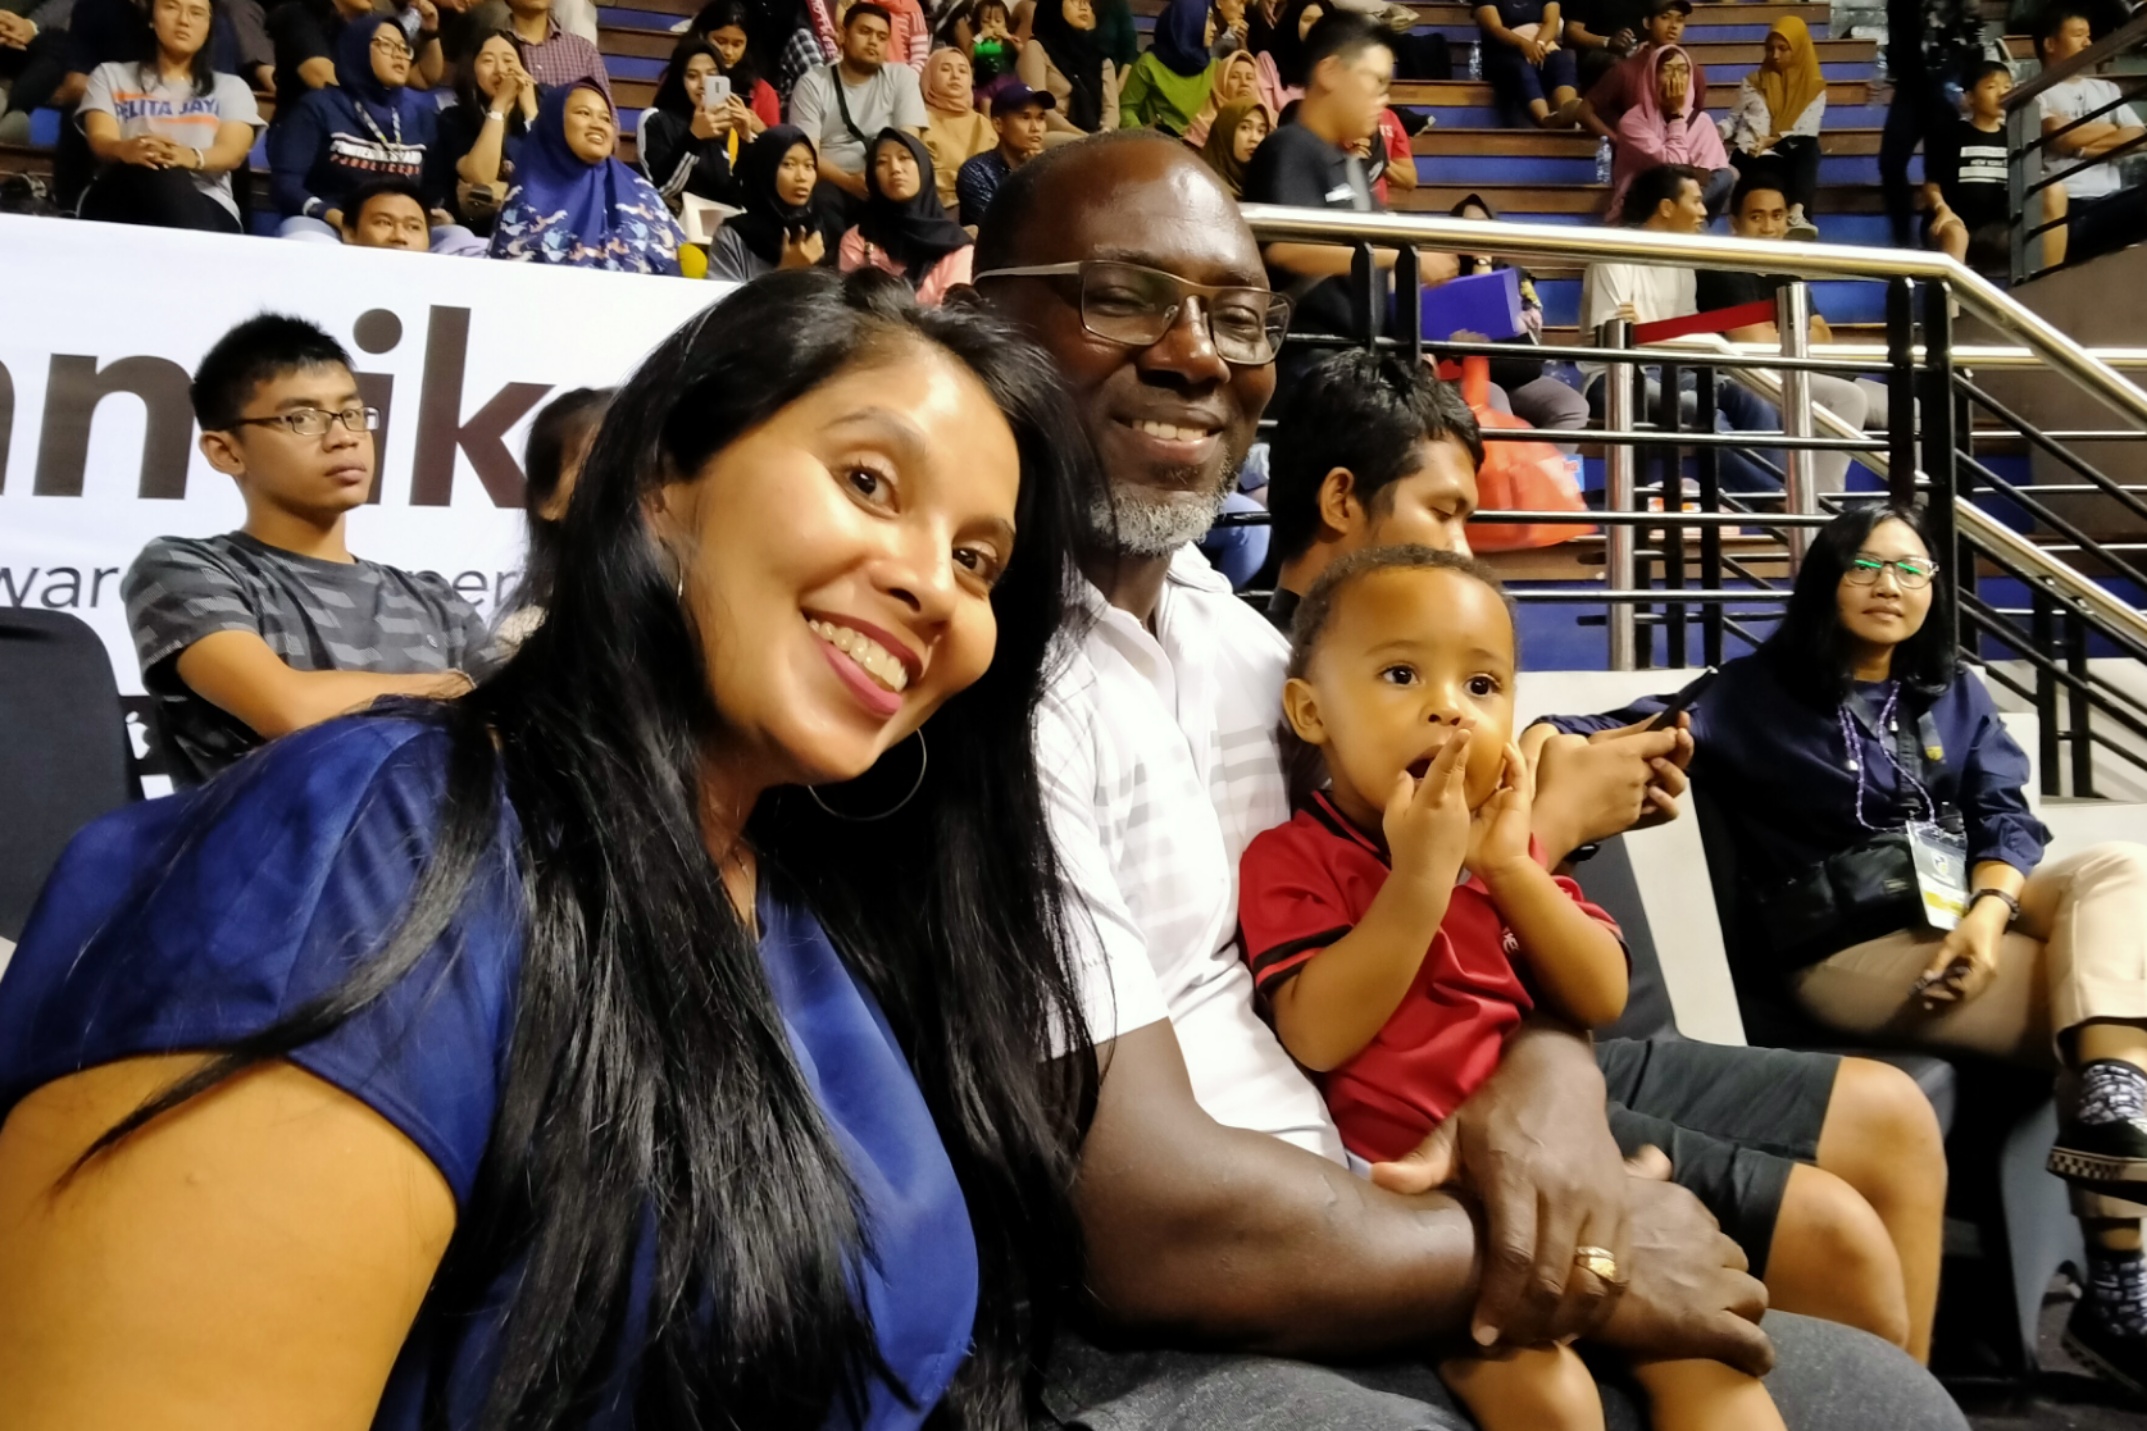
point(1599, 1261)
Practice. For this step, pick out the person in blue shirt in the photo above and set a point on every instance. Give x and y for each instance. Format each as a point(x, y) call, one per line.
point(1826, 752)
point(660, 1035)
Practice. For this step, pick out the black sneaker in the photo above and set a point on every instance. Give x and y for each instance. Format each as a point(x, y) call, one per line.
point(2108, 1158)
point(2115, 1357)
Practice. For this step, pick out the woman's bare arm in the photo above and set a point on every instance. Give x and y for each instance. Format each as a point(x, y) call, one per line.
point(253, 1259)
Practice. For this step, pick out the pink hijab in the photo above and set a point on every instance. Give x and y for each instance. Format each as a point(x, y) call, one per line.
point(1647, 137)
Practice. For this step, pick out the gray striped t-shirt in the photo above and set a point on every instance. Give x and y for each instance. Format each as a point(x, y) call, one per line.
point(317, 615)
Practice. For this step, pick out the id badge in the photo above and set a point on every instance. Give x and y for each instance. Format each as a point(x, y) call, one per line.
point(1941, 857)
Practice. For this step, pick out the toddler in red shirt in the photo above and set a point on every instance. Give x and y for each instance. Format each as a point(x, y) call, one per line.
point(1401, 925)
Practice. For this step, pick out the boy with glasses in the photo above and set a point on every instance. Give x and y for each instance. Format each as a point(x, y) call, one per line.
point(246, 636)
point(1312, 163)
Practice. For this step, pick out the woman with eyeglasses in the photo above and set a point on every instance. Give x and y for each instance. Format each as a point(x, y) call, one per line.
point(368, 125)
point(1890, 879)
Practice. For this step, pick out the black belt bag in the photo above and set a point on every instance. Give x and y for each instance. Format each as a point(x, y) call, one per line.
point(1866, 891)
point(1855, 894)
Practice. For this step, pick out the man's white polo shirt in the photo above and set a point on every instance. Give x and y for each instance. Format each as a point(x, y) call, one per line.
point(1160, 763)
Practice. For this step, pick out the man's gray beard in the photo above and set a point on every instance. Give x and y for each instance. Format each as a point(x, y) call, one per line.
point(1142, 521)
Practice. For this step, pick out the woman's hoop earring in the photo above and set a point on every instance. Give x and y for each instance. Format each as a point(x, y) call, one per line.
point(924, 760)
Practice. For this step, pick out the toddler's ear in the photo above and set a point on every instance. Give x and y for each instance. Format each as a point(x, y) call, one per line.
point(1300, 707)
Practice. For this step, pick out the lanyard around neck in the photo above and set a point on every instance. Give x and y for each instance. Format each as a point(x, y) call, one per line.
point(1887, 722)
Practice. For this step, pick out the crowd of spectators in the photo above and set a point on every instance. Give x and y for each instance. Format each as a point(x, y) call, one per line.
point(162, 111)
point(1257, 956)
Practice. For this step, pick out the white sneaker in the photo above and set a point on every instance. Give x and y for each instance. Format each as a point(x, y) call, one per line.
point(1801, 229)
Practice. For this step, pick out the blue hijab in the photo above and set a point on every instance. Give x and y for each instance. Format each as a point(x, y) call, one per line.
point(354, 75)
point(565, 210)
point(1181, 37)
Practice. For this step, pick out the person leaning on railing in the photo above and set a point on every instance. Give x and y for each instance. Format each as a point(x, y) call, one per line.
point(2086, 118)
point(1851, 758)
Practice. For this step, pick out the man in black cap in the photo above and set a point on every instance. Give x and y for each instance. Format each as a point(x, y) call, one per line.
point(1017, 113)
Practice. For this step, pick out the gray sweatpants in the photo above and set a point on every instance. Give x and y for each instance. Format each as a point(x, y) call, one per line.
point(1828, 1378)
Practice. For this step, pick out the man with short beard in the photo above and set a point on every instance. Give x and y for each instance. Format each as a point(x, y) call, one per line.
point(1219, 1206)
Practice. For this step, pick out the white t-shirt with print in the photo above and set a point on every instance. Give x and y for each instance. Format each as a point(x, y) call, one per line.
point(144, 102)
point(1161, 761)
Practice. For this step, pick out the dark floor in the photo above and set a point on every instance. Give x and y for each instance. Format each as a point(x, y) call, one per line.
point(2065, 1399)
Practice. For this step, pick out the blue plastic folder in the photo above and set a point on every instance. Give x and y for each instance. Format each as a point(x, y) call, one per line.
point(1487, 303)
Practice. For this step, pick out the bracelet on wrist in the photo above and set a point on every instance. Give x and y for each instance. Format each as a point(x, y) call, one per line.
point(2012, 905)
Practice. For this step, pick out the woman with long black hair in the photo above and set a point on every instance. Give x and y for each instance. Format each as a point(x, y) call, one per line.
point(169, 131)
point(1891, 878)
point(690, 142)
point(662, 1034)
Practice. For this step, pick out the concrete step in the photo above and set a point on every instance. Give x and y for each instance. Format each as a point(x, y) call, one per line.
point(1567, 168)
point(1476, 94)
point(1574, 144)
point(1589, 199)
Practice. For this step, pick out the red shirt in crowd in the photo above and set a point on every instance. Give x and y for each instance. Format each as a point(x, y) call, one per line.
point(1306, 884)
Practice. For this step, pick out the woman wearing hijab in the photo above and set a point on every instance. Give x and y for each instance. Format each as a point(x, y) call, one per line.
point(365, 127)
point(904, 230)
point(1237, 133)
point(1067, 59)
point(1668, 124)
point(780, 227)
point(1169, 85)
point(954, 132)
point(576, 205)
point(1237, 77)
point(688, 145)
point(1281, 64)
point(1780, 107)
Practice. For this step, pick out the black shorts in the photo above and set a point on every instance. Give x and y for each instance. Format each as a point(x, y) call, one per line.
point(1733, 1121)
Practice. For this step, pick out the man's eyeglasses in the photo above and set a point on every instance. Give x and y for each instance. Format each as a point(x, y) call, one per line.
point(313, 421)
point(1912, 573)
point(1134, 305)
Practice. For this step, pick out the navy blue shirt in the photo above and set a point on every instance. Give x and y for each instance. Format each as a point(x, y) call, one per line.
point(189, 922)
point(1777, 767)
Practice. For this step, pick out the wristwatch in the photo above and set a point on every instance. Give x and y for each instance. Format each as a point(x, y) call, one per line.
point(2011, 903)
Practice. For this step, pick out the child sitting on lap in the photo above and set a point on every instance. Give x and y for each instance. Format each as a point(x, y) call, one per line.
point(1401, 925)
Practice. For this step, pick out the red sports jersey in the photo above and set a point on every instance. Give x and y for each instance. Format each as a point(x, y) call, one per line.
point(1306, 884)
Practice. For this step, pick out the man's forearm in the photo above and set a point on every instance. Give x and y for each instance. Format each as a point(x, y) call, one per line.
point(1233, 1238)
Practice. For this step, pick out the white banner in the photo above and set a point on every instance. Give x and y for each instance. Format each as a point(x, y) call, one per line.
point(100, 328)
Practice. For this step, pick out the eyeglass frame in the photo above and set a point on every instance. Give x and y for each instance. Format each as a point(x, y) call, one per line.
point(369, 416)
point(1878, 565)
point(393, 32)
point(1206, 292)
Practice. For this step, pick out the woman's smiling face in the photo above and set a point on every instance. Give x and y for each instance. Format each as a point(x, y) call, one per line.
point(839, 560)
point(589, 127)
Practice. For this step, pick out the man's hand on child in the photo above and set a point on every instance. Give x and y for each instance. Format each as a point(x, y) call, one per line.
point(1427, 820)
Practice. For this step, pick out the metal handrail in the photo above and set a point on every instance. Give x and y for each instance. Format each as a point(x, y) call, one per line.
point(1272, 223)
point(1965, 355)
point(2005, 545)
